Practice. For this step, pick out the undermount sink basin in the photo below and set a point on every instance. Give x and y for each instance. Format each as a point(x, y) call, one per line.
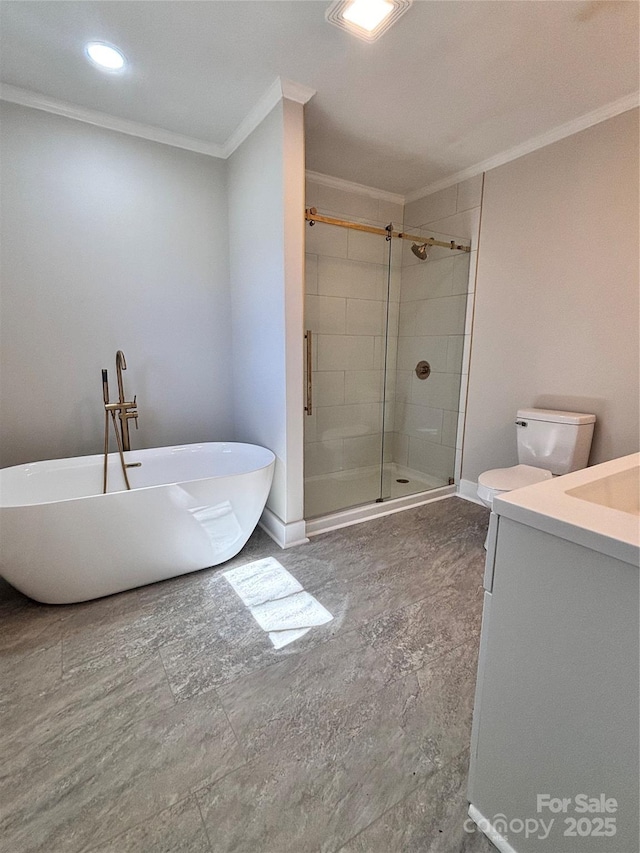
point(618, 491)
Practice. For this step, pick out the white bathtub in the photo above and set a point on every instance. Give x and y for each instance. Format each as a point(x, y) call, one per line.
point(190, 507)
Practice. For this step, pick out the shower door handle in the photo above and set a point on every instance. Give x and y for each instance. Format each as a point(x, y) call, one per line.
point(308, 337)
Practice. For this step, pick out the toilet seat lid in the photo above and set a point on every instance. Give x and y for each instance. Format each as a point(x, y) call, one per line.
point(508, 479)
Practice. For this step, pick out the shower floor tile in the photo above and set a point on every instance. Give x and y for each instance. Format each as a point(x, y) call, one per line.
point(163, 719)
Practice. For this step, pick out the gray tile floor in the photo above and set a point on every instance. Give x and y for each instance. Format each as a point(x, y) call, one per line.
point(162, 719)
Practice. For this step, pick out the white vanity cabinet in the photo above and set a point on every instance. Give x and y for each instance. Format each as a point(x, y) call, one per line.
point(556, 719)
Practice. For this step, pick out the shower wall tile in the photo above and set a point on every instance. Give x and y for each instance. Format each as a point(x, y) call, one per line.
point(390, 416)
point(449, 428)
point(348, 421)
point(363, 386)
point(414, 282)
point(322, 457)
point(343, 203)
point(435, 459)
point(344, 352)
point(401, 449)
point(439, 391)
point(389, 443)
point(403, 385)
point(363, 451)
point(419, 422)
point(432, 348)
point(462, 282)
point(432, 308)
point(440, 278)
point(328, 388)
point(390, 385)
point(442, 316)
point(365, 317)
point(379, 353)
point(455, 347)
point(328, 240)
point(428, 280)
point(407, 321)
point(469, 193)
point(431, 207)
point(311, 273)
point(460, 226)
point(396, 280)
point(367, 247)
point(394, 318)
point(326, 315)
point(354, 279)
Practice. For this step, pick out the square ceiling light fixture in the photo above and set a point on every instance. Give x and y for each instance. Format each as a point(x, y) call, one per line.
point(367, 19)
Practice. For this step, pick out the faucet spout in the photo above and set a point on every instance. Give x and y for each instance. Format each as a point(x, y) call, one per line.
point(121, 364)
point(126, 410)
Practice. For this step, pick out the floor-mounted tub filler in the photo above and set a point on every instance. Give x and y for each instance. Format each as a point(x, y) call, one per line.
point(189, 507)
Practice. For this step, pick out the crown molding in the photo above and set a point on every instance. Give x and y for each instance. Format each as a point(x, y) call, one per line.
point(610, 110)
point(282, 88)
point(278, 90)
point(36, 101)
point(293, 91)
point(349, 186)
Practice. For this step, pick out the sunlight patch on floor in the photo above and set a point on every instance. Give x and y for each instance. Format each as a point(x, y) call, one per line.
point(277, 601)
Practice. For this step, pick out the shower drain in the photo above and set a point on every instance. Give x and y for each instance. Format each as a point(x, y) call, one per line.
point(402, 480)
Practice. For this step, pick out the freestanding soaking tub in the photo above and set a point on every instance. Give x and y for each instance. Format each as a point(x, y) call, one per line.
point(190, 507)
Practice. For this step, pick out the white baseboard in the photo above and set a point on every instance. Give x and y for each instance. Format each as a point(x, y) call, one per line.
point(489, 830)
point(284, 535)
point(468, 490)
point(355, 515)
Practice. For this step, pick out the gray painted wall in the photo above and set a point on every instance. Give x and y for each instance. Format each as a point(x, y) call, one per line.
point(556, 313)
point(266, 203)
point(109, 242)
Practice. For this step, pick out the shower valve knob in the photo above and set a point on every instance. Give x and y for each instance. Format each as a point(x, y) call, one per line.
point(423, 370)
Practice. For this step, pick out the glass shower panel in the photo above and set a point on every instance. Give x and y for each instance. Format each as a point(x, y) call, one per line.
point(423, 407)
point(346, 312)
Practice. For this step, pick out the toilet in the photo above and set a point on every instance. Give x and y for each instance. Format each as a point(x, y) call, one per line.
point(549, 443)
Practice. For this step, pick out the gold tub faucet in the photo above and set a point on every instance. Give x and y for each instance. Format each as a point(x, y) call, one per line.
point(126, 410)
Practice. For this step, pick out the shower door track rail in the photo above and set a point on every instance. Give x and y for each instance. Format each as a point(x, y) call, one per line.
point(311, 215)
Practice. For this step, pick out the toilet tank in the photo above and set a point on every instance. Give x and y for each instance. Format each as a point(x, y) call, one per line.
point(557, 441)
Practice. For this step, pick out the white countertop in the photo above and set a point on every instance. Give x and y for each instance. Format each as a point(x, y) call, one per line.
point(596, 507)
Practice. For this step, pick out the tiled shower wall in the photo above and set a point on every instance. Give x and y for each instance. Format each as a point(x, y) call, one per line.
point(436, 309)
point(345, 306)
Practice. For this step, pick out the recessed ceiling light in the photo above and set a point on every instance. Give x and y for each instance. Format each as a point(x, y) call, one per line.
point(105, 56)
point(367, 13)
point(367, 19)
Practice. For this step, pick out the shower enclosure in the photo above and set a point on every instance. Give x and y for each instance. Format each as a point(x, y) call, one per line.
point(385, 320)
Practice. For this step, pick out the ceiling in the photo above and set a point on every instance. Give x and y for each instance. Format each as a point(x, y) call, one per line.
point(451, 85)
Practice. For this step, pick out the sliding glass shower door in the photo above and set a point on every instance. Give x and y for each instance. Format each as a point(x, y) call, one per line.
point(386, 332)
point(346, 309)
